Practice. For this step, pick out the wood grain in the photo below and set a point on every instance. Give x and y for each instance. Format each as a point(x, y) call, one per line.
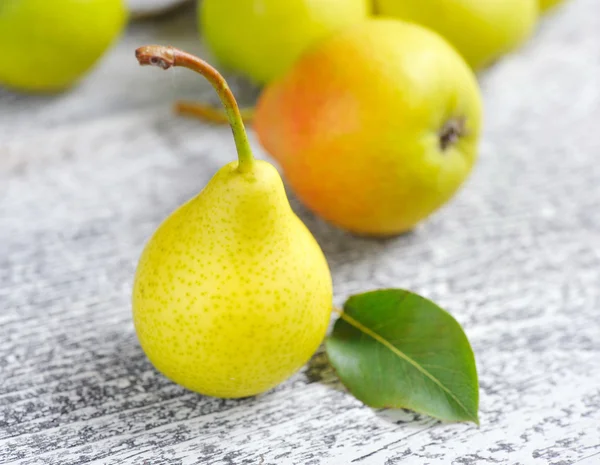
point(85, 178)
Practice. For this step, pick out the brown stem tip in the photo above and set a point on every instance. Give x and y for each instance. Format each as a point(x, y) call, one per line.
point(156, 55)
point(167, 57)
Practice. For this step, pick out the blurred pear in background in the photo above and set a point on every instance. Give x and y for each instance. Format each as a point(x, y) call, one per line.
point(48, 45)
point(481, 30)
point(261, 39)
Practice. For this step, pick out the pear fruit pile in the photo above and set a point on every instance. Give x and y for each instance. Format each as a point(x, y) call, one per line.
point(47, 46)
point(375, 128)
point(376, 125)
point(232, 293)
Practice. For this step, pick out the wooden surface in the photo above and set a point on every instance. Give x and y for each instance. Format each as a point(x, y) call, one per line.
point(147, 8)
point(87, 176)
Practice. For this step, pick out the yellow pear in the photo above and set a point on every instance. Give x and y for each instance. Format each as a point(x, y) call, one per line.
point(232, 294)
point(481, 30)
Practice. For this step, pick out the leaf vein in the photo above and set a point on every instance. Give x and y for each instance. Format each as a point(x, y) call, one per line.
point(365, 330)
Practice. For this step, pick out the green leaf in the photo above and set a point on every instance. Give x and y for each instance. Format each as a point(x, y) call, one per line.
point(393, 348)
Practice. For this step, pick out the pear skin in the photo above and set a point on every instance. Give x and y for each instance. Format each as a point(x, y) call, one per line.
point(376, 128)
point(481, 30)
point(261, 39)
point(232, 294)
point(49, 45)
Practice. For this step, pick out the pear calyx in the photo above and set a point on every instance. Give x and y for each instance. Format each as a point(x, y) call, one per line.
point(452, 131)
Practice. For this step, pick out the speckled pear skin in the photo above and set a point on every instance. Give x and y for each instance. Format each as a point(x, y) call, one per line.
point(232, 294)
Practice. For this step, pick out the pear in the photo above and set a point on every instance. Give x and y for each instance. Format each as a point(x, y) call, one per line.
point(376, 127)
point(47, 46)
point(481, 30)
point(232, 294)
point(261, 39)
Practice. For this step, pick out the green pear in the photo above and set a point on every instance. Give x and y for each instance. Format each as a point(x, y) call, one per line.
point(481, 30)
point(263, 38)
point(47, 45)
point(232, 294)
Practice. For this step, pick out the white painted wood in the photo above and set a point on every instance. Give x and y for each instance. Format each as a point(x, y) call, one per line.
point(145, 8)
point(85, 178)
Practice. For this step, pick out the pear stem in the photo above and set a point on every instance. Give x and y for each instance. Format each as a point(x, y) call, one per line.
point(205, 112)
point(167, 57)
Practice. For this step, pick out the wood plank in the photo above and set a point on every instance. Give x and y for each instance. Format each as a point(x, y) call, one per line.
point(86, 177)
